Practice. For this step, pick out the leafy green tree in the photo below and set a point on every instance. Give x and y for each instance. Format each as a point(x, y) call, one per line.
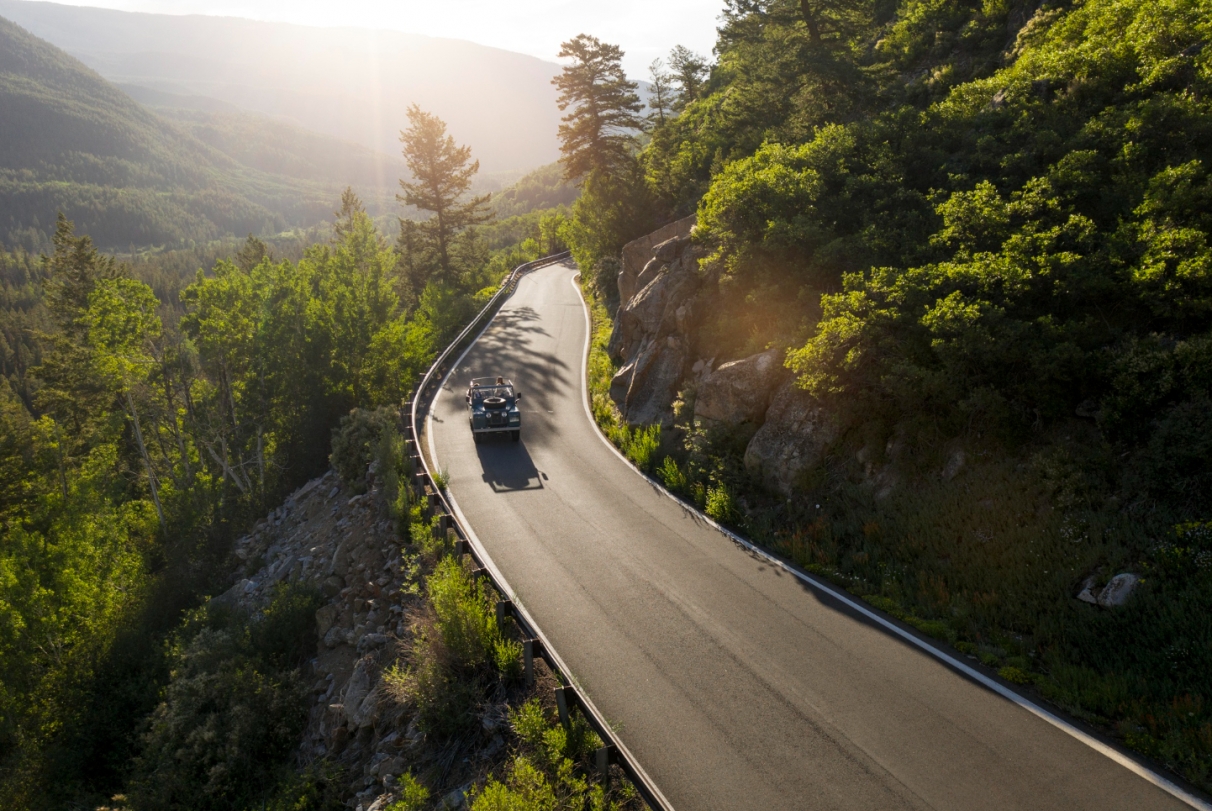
point(122, 323)
point(442, 173)
point(597, 133)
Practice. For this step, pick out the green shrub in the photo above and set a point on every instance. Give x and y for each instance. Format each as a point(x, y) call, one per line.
point(673, 477)
point(885, 604)
point(721, 506)
point(445, 698)
point(507, 658)
point(989, 659)
point(467, 620)
point(355, 442)
point(317, 788)
point(389, 461)
point(933, 628)
point(640, 445)
point(231, 716)
point(1016, 675)
point(412, 795)
point(549, 770)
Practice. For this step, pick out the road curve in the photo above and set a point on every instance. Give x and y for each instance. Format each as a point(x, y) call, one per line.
point(733, 684)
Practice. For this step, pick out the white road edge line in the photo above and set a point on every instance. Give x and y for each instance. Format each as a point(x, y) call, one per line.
point(1119, 757)
point(500, 578)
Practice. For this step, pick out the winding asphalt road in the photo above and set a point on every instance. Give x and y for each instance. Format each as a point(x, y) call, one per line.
point(734, 684)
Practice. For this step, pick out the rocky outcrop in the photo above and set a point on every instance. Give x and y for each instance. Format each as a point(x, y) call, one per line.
point(797, 433)
point(341, 543)
point(740, 391)
point(662, 307)
point(649, 338)
point(645, 388)
point(639, 252)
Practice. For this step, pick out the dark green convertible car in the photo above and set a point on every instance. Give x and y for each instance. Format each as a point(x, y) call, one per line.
point(492, 408)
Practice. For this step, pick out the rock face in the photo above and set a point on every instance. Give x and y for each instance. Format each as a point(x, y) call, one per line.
point(638, 252)
point(1118, 590)
point(795, 436)
point(739, 391)
point(649, 335)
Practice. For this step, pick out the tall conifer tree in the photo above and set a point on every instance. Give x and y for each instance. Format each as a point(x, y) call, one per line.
point(603, 108)
point(442, 172)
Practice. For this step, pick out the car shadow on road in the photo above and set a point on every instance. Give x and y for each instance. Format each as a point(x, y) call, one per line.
point(507, 465)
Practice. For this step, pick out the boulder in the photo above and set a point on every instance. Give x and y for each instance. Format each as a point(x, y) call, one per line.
point(1118, 590)
point(638, 252)
point(356, 689)
point(340, 558)
point(367, 712)
point(955, 463)
point(1088, 593)
point(739, 391)
point(325, 618)
point(656, 375)
point(795, 436)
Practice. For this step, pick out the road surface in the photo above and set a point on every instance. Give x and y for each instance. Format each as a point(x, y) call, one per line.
point(733, 684)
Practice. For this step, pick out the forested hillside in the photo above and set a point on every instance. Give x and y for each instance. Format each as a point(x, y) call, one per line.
point(279, 147)
point(978, 235)
point(151, 410)
point(350, 83)
point(71, 142)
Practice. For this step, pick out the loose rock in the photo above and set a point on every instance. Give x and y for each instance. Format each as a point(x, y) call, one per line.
point(1118, 590)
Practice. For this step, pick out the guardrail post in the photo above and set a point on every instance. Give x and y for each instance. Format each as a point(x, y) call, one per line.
point(604, 756)
point(561, 698)
point(504, 608)
point(530, 649)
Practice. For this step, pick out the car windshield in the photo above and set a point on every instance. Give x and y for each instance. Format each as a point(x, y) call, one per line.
point(480, 392)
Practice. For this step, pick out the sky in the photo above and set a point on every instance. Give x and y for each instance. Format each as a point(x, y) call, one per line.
point(645, 29)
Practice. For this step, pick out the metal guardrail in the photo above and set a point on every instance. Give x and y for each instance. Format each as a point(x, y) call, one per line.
point(568, 696)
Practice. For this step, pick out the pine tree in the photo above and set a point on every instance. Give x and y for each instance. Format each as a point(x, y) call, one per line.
point(597, 131)
point(442, 172)
point(689, 71)
point(660, 99)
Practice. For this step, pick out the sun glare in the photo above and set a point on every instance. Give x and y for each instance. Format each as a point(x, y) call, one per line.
point(645, 30)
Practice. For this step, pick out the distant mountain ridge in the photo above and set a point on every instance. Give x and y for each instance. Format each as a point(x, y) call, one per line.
point(352, 84)
point(72, 142)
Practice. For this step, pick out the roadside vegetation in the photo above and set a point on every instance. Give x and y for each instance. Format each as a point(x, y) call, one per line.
point(148, 416)
point(979, 234)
